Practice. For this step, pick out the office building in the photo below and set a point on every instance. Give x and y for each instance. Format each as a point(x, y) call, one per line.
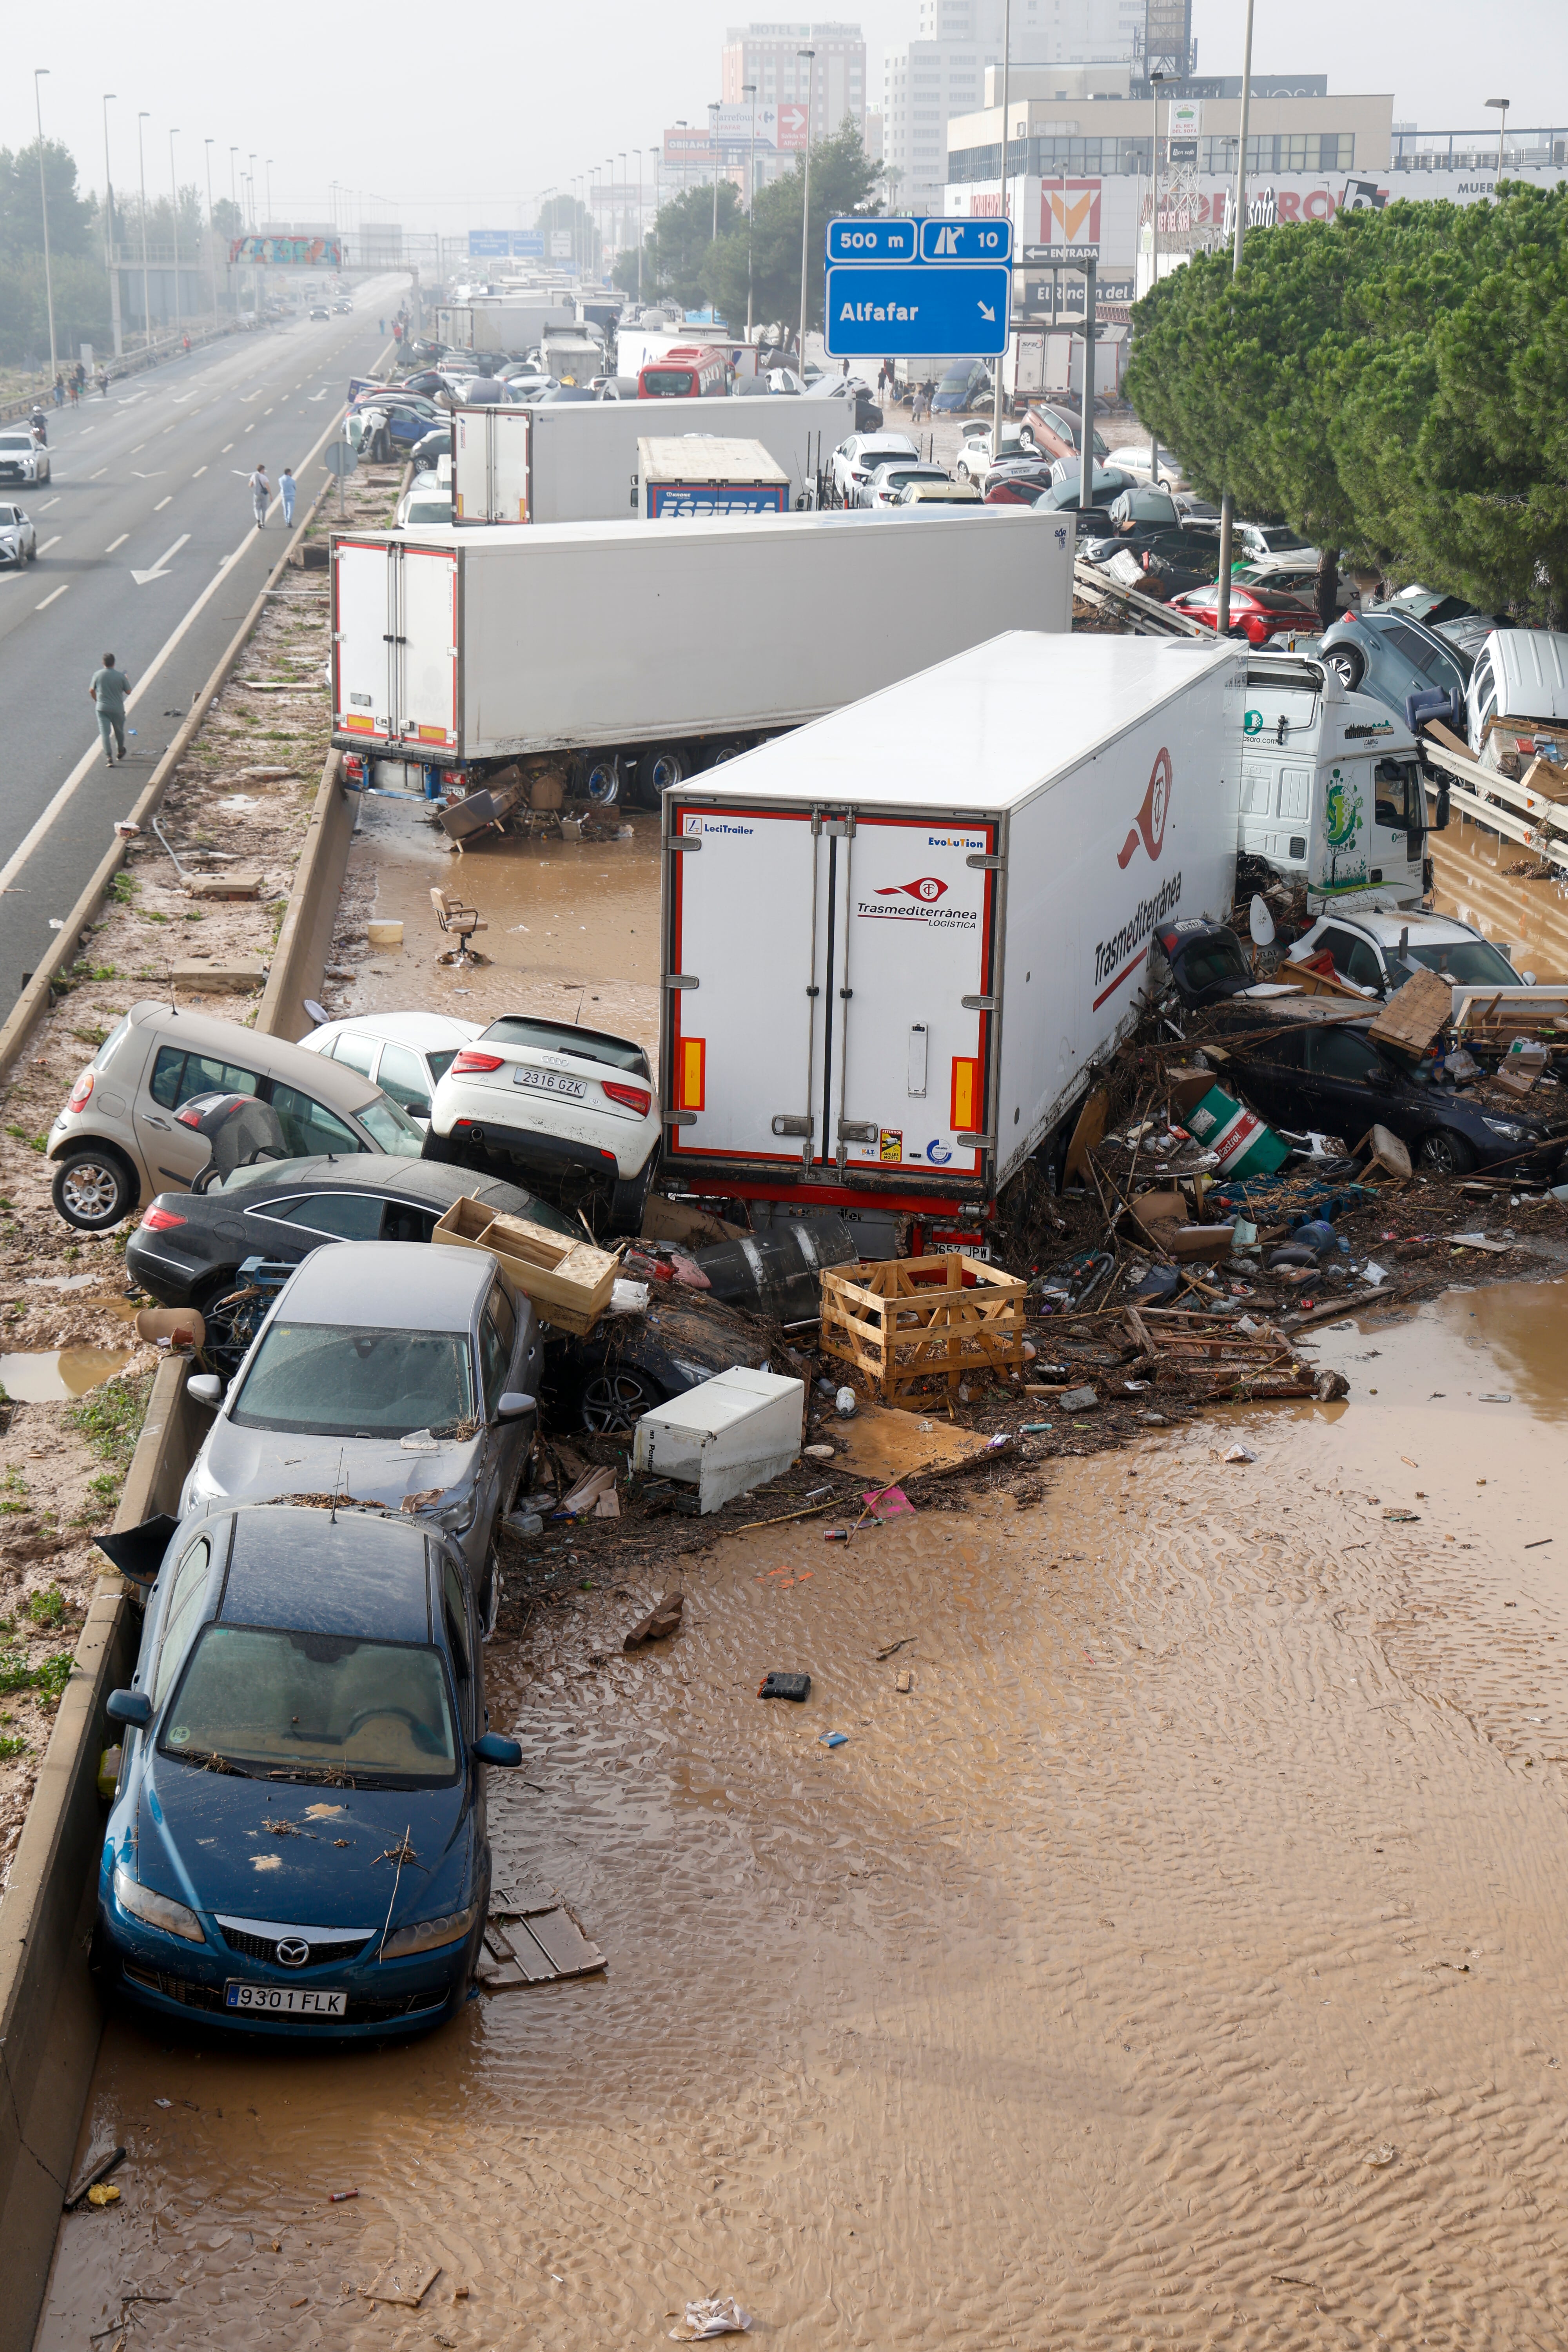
point(768, 56)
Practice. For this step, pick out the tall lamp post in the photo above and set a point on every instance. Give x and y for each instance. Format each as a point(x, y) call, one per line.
point(998, 403)
point(1227, 498)
point(637, 153)
point(714, 104)
point(1501, 105)
point(1155, 78)
point(212, 231)
point(625, 183)
point(268, 170)
point(749, 89)
point(234, 207)
point(141, 183)
point(810, 57)
point(108, 238)
point(38, 73)
point(174, 222)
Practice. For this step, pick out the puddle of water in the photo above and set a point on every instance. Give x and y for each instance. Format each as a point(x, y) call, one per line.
point(46, 1378)
point(1530, 918)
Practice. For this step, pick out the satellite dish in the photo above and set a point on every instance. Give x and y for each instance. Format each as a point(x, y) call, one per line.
point(1260, 923)
point(321, 1016)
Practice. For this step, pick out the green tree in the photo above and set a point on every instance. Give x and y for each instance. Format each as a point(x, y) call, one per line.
point(1393, 383)
point(843, 181)
point(678, 246)
point(21, 202)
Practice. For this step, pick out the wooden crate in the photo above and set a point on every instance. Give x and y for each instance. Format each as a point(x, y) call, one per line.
point(568, 1282)
point(909, 1323)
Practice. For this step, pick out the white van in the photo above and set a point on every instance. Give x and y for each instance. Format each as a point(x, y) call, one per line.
point(1519, 689)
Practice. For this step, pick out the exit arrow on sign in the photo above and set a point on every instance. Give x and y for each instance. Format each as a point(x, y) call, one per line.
point(159, 571)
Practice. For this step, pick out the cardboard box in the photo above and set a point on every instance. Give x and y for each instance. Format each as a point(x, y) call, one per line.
point(568, 1282)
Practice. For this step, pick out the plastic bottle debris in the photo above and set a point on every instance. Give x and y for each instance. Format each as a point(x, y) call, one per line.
point(1239, 1453)
point(847, 1405)
point(341, 2196)
point(833, 1739)
point(777, 1685)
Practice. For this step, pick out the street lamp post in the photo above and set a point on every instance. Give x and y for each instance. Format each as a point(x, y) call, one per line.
point(38, 73)
point(141, 182)
point(174, 222)
point(109, 263)
point(623, 153)
point(1227, 497)
point(211, 232)
point(998, 402)
point(1501, 105)
point(269, 169)
point(1155, 78)
point(637, 153)
point(714, 105)
point(749, 89)
point(810, 57)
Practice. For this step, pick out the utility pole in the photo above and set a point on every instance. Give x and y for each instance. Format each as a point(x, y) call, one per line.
point(749, 89)
point(109, 262)
point(174, 222)
point(999, 403)
point(626, 181)
point(1227, 499)
point(211, 232)
point(1086, 430)
point(637, 153)
point(713, 167)
point(1155, 78)
point(142, 180)
point(810, 57)
point(268, 168)
point(38, 73)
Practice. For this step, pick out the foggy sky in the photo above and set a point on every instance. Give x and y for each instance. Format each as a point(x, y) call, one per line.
point(452, 118)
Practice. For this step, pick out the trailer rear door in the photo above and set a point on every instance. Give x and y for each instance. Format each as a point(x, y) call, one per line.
point(361, 670)
point(425, 646)
point(876, 936)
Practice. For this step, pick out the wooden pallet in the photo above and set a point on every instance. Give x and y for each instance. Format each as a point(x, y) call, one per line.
point(909, 1323)
point(569, 1281)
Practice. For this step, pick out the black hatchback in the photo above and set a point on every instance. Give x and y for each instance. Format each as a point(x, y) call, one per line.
point(189, 1246)
point(1330, 1076)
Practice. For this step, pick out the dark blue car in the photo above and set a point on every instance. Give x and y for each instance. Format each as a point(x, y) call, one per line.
point(296, 1845)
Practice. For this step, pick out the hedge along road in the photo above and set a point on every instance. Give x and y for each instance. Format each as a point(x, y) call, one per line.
point(151, 480)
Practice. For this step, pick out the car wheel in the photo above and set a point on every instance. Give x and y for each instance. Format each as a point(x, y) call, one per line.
point(629, 1197)
point(94, 1188)
point(597, 777)
point(1348, 666)
point(612, 1401)
point(1443, 1153)
point(656, 771)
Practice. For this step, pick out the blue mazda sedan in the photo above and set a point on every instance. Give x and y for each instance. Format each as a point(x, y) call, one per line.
point(298, 1844)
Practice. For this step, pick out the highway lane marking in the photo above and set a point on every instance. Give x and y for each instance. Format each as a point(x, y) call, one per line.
point(157, 571)
point(48, 543)
point(102, 469)
point(199, 472)
point(117, 542)
point(162, 503)
point(54, 502)
point(87, 764)
point(49, 599)
point(250, 428)
point(225, 450)
point(141, 445)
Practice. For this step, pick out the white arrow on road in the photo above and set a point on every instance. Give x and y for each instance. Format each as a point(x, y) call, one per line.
point(319, 395)
point(158, 570)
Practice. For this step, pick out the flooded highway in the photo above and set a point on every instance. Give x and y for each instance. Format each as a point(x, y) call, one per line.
point(1179, 1961)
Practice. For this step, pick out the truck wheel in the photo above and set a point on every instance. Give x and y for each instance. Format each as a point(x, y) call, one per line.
point(629, 1197)
point(656, 771)
point(597, 777)
point(94, 1188)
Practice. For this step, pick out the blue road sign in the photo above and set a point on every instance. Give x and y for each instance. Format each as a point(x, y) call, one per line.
point(872, 240)
point(956, 312)
point(965, 240)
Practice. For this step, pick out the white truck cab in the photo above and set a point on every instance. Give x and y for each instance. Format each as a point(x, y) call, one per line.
point(1331, 788)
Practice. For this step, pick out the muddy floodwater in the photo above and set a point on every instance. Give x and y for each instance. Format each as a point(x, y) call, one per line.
point(1181, 1960)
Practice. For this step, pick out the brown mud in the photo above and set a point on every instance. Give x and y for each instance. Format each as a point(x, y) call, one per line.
point(1178, 1962)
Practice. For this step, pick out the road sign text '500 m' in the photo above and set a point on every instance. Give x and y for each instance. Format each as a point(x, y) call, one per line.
point(956, 312)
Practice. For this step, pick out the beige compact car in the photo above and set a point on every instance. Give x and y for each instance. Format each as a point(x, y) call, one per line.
point(119, 1138)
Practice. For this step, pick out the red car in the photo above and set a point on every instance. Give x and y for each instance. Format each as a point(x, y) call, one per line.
point(1255, 614)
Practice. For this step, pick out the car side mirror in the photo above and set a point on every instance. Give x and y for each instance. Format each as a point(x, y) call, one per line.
point(206, 1387)
point(515, 1406)
point(489, 1748)
point(1527, 978)
point(134, 1706)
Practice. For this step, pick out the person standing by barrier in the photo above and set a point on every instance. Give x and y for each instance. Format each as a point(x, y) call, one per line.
point(261, 494)
point(107, 691)
point(285, 487)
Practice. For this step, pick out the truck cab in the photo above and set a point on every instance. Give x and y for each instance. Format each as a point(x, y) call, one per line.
point(1331, 788)
point(1517, 699)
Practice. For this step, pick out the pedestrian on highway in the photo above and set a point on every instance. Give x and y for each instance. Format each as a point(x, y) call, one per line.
point(107, 693)
point(261, 494)
point(59, 392)
point(75, 391)
point(285, 492)
point(381, 326)
point(103, 382)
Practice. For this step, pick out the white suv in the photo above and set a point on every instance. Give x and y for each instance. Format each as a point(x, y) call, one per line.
point(575, 1105)
point(21, 458)
point(1374, 951)
point(855, 460)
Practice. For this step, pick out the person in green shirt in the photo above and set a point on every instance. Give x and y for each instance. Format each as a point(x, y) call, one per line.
point(107, 693)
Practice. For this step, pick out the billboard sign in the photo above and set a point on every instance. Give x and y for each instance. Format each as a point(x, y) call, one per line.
point(730, 126)
point(1070, 211)
point(951, 309)
point(559, 245)
point(792, 126)
point(288, 252)
point(1186, 118)
point(506, 244)
point(688, 146)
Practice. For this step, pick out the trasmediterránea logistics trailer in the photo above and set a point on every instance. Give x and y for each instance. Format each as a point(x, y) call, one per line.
point(895, 941)
point(612, 642)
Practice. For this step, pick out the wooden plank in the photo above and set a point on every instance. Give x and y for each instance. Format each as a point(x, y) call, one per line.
point(564, 1945)
point(1416, 1014)
point(405, 2282)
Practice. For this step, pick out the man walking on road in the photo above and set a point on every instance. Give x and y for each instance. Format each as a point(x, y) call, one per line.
point(107, 692)
point(285, 492)
point(260, 495)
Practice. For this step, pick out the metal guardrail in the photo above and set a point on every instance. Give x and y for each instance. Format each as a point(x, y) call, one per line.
point(1500, 803)
point(1145, 615)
